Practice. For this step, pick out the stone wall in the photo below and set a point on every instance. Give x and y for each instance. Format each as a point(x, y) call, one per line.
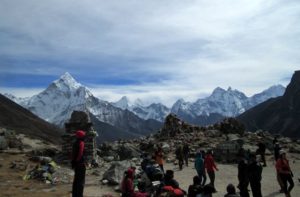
point(79, 121)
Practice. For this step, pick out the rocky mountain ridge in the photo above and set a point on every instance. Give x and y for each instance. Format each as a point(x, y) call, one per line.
point(278, 115)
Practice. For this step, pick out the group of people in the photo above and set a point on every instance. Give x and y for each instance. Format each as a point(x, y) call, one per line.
point(249, 173)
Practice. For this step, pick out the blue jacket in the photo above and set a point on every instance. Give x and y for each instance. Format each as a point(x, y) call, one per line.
point(199, 163)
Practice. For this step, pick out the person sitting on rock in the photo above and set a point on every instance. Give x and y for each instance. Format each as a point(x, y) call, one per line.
point(231, 191)
point(142, 190)
point(196, 188)
point(169, 179)
point(127, 186)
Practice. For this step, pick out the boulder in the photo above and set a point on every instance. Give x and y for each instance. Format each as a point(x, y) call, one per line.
point(166, 148)
point(294, 148)
point(3, 143)
point(127, 151)
point(115, 173)
point(108, 158)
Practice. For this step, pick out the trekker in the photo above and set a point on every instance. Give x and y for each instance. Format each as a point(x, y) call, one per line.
point(186, 152)
point(285, 173)
point(255, 171)
point(78, 164)
point(196, 188)
point(276, 157)
point(199, 166)
point(203, 154)
point(159, 158)
point(243, 176)
point(127, 186)
point(210, 168)
point(262, 151)
point(276, 151)
point(179, 156)
point(231, 191)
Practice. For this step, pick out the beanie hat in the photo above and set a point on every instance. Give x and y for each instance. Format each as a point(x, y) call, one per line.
point(80, 134)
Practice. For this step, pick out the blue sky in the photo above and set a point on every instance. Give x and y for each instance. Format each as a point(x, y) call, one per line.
point(154, 50)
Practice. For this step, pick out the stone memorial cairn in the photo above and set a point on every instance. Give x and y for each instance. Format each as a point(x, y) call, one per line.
point(79, 121)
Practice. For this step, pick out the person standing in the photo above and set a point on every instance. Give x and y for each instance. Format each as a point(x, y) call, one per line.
point(203, 154)
point(276, 157)
point(210, 168)
point(255, 172)
point(243, 176)
point(285, 173)
point(186, 152)
point(199, 166)
point(262, 151)
point(78, 164)
point(159, 158)
point(179, 156)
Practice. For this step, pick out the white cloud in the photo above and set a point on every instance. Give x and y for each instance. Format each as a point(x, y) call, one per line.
point(186, 48)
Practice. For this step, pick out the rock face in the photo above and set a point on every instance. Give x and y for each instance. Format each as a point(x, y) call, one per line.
point(277, 115)
point(173, 126)
point(79, 121)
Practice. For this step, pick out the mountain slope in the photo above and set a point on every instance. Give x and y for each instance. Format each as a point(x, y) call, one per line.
point(277, 115)
point(15, 117)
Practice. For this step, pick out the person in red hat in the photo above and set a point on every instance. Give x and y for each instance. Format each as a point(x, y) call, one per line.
point(78, 164)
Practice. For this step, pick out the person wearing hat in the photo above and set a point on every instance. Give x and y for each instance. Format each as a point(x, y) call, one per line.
point(285, 173)
point(78, 164)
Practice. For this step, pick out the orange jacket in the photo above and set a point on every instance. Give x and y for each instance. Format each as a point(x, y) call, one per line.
point(159, 158)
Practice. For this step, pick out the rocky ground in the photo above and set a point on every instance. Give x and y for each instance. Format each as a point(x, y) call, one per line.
point(12, 184)
point(18, 159)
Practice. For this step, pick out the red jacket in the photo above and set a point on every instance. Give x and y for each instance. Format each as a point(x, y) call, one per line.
point(282, 166)
point(127, 184)
point(210, 163)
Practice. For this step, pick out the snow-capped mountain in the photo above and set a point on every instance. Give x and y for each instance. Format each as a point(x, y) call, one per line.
point(18, 100)
point(272, 92)
point(56, 104)
point(123, 103)
point(155, 111)
point(226, 103)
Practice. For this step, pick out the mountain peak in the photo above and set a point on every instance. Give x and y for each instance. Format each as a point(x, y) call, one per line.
point(123, 103)
point(67, 80)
